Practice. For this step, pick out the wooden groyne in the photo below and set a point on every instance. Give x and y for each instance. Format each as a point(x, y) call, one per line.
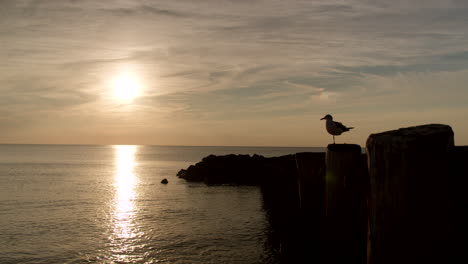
point(403, 201)
point(408, 186)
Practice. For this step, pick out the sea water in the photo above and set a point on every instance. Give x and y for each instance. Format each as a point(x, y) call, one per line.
point(105, 204)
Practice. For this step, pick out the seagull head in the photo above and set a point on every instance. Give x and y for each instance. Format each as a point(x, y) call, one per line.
point(327, 117)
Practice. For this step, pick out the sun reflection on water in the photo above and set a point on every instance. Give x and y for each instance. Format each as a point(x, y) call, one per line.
point(125, 230)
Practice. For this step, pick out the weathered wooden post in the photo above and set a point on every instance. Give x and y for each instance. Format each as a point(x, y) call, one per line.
point(311, 184)
point(281, 201)
point(458, 205)
point(409, 170)
point(346, 220)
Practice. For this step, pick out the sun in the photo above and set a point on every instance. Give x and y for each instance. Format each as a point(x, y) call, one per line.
point(126, 87)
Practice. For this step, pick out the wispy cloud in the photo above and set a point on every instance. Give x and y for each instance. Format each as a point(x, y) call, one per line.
point(231, 60)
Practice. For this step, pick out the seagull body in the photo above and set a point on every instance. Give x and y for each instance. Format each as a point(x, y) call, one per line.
point(334, 128)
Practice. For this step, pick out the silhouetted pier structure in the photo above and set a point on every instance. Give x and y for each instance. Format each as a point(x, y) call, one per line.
point(403, 201)
point(408, 187)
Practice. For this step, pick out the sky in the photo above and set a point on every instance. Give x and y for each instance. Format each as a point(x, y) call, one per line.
point(229, 72)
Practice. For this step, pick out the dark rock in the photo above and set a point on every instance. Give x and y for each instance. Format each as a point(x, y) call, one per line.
point(164, 181)
point(182, 173)
point(238, 169)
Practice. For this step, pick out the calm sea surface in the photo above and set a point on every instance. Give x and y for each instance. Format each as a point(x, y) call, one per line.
point(105, 204)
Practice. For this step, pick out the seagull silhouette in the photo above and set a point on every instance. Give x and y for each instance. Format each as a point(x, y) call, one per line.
point(334, 128)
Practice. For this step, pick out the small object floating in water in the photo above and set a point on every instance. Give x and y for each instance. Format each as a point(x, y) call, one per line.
point(164, 181)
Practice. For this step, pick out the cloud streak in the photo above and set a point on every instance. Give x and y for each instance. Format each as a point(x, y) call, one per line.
point(245, 61)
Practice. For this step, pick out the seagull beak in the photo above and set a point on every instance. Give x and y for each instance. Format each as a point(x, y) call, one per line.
point(322, 118)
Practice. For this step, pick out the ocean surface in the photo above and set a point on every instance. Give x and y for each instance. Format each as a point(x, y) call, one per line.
point(105, 204)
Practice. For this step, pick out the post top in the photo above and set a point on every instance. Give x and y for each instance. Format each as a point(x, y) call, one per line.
point(344, 148)
point(420, 135)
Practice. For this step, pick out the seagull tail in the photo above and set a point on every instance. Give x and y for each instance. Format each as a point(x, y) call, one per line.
point(349, 128)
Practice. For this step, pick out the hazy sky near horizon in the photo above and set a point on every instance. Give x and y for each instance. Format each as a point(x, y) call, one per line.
point(232, 72)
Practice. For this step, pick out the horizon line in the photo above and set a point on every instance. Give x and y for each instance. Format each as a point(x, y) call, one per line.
point(236, 146)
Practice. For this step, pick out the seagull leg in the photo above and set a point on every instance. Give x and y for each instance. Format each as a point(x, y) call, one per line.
point(333, 139)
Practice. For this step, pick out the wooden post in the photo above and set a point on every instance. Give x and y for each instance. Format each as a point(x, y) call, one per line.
point(457, 206)
point(345, 195)
point(281, 201)
point(409, 185)
point(311, 184)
